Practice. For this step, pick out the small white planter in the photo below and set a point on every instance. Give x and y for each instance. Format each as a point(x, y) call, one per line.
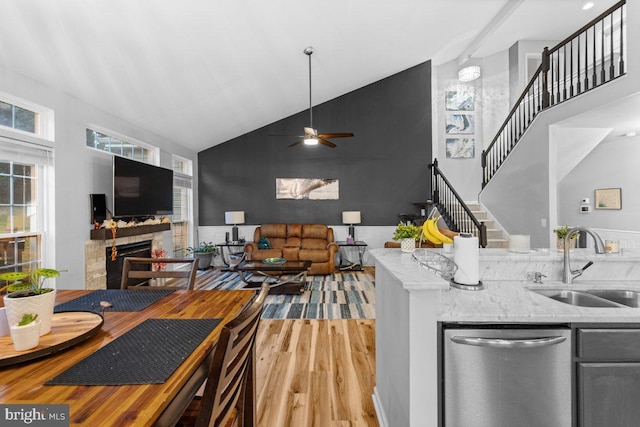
point(42, 305)
point(26, 337)
point(408, 245)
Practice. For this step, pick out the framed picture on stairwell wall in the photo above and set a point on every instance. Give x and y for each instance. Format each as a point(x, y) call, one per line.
point(460, 148)
point(460, 124)
point(459, 100)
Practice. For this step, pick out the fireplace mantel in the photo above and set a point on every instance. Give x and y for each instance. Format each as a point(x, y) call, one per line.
point(105, 233)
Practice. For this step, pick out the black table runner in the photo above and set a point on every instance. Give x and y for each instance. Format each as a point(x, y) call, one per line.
point(121, 300)
point(147, 354)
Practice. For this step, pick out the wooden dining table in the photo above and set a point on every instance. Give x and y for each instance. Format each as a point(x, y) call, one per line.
point(125, 405)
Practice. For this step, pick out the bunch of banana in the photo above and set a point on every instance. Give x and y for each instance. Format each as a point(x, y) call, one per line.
point(431, 232)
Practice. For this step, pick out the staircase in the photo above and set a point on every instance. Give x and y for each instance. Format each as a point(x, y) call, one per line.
point(496, 237)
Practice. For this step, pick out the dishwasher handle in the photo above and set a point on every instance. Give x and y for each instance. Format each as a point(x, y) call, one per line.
point(508, 343)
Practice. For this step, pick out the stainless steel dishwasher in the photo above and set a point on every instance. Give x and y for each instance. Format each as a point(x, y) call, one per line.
point(507, 377)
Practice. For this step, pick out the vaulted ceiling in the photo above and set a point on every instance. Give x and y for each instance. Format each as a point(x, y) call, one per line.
point(200, 72)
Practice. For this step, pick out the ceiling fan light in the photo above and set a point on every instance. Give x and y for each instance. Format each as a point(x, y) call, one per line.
point(310, 141)
point(468, 74)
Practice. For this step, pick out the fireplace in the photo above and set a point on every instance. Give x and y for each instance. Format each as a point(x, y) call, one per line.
point(114, 268)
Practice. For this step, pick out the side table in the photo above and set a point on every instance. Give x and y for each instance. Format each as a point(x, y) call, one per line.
point(345, 263)
point(231, 250)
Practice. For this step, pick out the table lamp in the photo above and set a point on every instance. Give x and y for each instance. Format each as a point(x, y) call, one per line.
point(235, 218)
point(351, 217)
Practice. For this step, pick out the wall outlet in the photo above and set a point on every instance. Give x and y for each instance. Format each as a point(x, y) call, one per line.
point(543, 222)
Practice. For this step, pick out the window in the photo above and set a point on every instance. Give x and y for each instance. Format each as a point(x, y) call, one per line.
point(18, 118)
point(111, 144)
point(25, 118)
point(23, 177)
point(182, 205)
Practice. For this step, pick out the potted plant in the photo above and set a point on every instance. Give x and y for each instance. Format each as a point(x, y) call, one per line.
point(204, 252)
point(561, 234)
point(26, 333)
point(27, 294)
point(407, 235)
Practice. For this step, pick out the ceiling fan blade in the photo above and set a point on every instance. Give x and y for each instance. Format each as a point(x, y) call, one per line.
point(336, 135)
point(327, 143)
point(296, 143)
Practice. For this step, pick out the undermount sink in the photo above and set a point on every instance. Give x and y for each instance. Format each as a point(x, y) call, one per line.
point(628, 298)
point(581, 298)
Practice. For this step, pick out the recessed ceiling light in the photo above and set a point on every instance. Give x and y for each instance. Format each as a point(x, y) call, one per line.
point(588, 5)
point(629, 134)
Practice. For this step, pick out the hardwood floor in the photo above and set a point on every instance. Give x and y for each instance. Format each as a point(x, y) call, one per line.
point(313, 373)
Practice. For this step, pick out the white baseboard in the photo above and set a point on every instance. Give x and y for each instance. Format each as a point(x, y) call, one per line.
point(382, 418)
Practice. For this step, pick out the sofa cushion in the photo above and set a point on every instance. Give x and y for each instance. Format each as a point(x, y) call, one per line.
point(314, 244)
point(273, 230)
point(314, 231)
point(294, 230)
point(314, 255)
point(292, 242)
point(267, 253)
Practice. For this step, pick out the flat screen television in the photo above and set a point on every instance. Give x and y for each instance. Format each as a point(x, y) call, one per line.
point(141, 189)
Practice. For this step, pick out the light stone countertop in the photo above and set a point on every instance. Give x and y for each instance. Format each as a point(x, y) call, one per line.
point(510, 300)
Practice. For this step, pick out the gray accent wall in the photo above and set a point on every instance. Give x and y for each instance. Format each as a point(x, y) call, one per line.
point(382, 170)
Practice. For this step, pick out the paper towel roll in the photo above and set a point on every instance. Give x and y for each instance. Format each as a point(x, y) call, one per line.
point(467, 257)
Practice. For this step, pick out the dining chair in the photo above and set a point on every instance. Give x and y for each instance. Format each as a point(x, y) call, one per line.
point(142, 268)
point(230, 393)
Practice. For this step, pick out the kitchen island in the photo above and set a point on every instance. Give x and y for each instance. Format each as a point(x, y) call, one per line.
point(412, 300)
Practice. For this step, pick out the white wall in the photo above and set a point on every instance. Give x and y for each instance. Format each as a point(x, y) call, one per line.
point(491, 108)
point(81, 171)
point(612, 164)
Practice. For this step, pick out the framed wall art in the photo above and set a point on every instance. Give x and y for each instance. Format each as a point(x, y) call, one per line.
point(307, 189)
point(460, 124)
point(460, 148)
point(458, 100)
point(608, 198)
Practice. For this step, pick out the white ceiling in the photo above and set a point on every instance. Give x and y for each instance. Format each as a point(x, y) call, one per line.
point(200, 72)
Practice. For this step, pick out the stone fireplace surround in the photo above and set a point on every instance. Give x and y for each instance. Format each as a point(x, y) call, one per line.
point(95, 256)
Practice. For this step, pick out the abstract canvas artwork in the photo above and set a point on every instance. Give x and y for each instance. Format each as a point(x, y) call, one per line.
point(460, 124)
point(458, 100)
point(307, 189)
point(460, 148)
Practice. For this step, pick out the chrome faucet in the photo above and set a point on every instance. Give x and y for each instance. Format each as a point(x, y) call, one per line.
point(567, 274)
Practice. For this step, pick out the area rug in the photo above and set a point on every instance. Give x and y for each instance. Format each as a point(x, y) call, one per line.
point(335, 296)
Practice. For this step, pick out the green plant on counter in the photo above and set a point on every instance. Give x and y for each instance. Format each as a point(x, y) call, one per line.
point(27, 318)
point(406, 231)
point(203, 248)
point(561, 232)
point(34, 280)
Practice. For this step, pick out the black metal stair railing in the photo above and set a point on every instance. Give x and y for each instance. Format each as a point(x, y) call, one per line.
point(454, 211)
point(592, 56)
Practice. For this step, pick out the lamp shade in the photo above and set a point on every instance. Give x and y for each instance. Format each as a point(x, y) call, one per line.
point(234, 217)
point(351, 217)
point(469, 73)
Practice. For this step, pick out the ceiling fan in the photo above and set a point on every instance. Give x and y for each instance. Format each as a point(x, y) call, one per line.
point(311, 135)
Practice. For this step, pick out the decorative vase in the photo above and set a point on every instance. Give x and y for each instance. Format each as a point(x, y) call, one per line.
point(16, 306)
point(560, 244)
point(408, 245)
point(204, 260)
point(27, 336)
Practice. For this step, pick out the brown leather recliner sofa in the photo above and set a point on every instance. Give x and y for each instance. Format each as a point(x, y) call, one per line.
point(311, 242)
